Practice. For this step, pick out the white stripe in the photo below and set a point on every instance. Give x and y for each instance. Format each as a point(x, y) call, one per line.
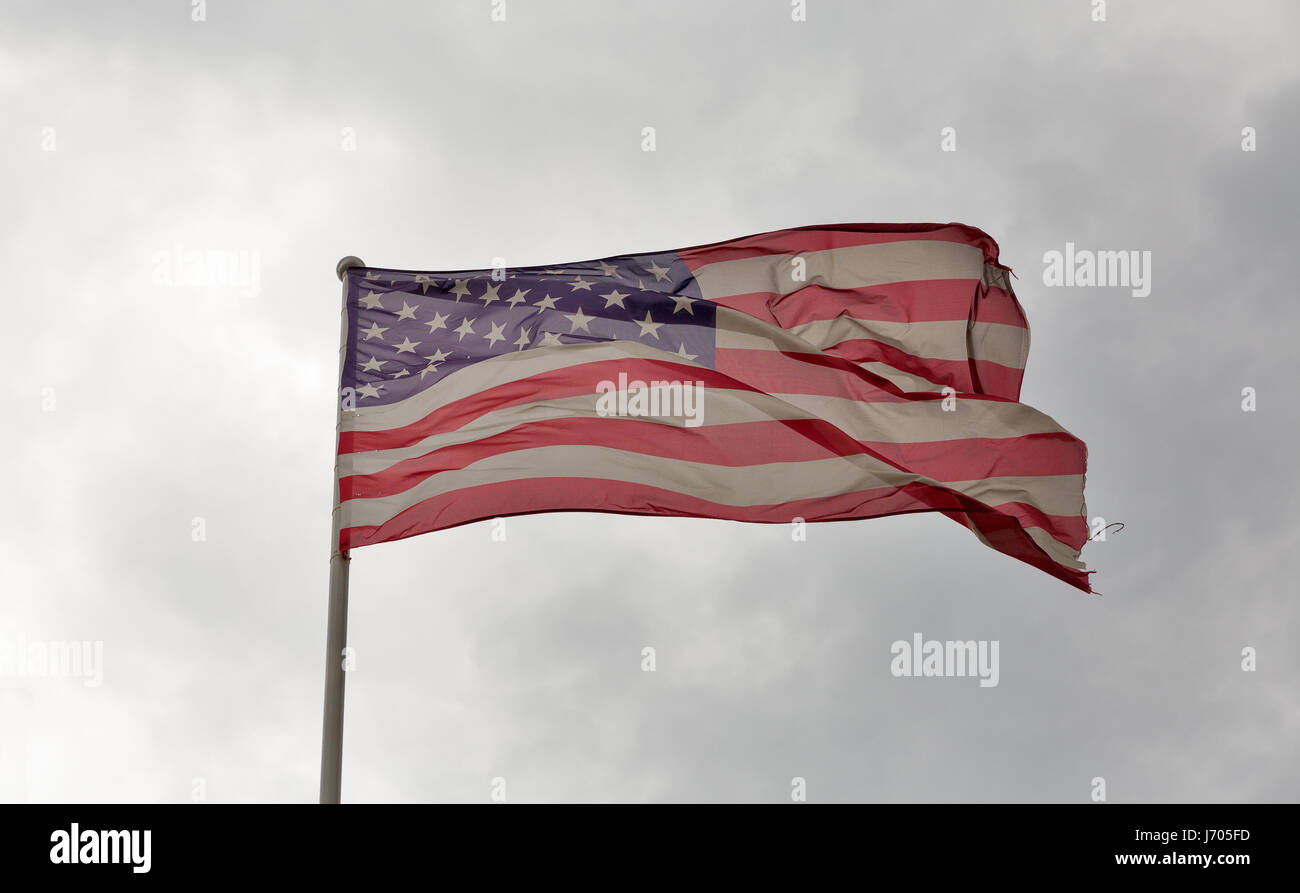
point(745, 485)
point(1055, 549)
point(493, 372)
point(855, 266)
point(909, 422)
point(940, 340)
point(734, 329)
point(906, 382)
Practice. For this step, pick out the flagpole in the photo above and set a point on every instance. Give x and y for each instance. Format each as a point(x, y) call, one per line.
point(336, 635)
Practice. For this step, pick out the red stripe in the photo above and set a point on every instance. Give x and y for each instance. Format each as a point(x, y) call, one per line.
point(1069, 529)
point(741, 370)
point(976, 458)
point(821, 238)
point(966, 376)
point(619, 497)
point(737, 445)
point(817, 374)
point(1005, 534)
point(765, 371)
point(933, 300)
point(1000, 305)
point(554, 384)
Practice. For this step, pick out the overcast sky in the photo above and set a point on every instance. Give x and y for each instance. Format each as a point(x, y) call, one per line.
point(426, 136)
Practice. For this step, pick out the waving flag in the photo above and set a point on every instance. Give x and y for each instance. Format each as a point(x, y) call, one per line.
point(837, 372)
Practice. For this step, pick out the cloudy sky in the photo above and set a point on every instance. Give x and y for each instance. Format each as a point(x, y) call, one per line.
point(427, 136)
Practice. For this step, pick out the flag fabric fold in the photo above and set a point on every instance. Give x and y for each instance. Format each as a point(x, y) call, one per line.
point(837, 372)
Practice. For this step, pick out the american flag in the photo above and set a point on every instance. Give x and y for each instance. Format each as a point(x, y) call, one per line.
point(848, 371)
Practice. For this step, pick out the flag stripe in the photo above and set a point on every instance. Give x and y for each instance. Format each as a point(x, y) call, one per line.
point(807, 374)
point(1000, 344)
point(501, 370)
point(766, 483)
point(810, 373)
point(822, 238)
point(907, 382)
point(542, 494)
point(1055, 549)
point(945, 340)
point(1071, 530)
point(934, 435)
point(964, 376)
point(930, 301)
point(726, 400)
point(744, 443)
point(850, 267)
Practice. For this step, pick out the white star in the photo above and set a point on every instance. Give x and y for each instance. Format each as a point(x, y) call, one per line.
point(518, 296)
point(372, 275)
point(661, 273)
point(523, 338)
point(648, 326)
point(683, 303)
point(579, 320)
point(432, 367)
point(490, 295)
point(407, 311)
point(607, 269)
point(370, 390)
point(438, 356)
point(681, 352)
point(498, 333)
point(614, 297)
point(461, 289)
point(550, 339)
point(372, 365)
point(408, 346)
point(547, 303)
point(375, 331)
point(466, 328)
point(371, 301)
point(400, 372)
point(439, 322)
point(553, 272)
point(581, 283)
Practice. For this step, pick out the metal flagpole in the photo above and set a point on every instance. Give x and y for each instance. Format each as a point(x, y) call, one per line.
point(331, 748)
